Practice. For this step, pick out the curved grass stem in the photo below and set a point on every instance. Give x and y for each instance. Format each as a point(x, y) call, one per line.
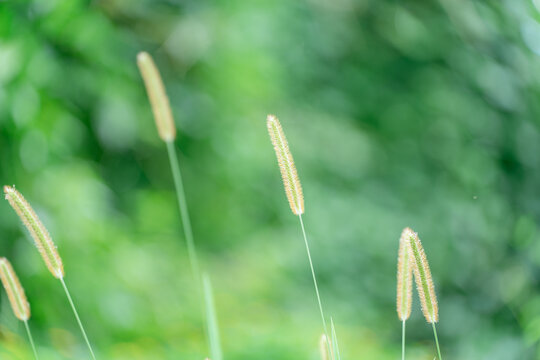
point(314, 278)
point(31, 339)
point(184, 212)
point(209, 311)
point(403, 341)
point(78, 319)
point(436, 340)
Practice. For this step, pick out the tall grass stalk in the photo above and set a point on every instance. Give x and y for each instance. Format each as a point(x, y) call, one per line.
point(31, 339)
point(335, 345)
point(403, 340)
point(184, 212)
point(45, 246)
point(78, 318)
point(404, 284)
point(212, 324)
point(424, 283)
point(167, 132)
point(293, 190)
point(436, 340)
point(315, 284)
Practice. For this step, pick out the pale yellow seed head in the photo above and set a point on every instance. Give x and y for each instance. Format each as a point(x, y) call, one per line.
point(404, 277)
point(14, 290)
point(39, 233)
point(325, 348)
point(422, 276)
point(293, 189)
point(158, 97)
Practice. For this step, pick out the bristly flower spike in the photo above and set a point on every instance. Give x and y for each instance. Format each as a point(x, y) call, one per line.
point(404, 277)
point(158, 97)
point(14, 290)
point(424, 283)
point(17, 298)
point(39, 233)
point(293, 189)
point(45, 245)
point(422, 274)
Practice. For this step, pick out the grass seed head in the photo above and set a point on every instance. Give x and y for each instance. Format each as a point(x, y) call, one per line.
point(158, 97)
point(14, 290)
point(39, 233)
point(293, 188)
point(404, 277)
point(422, 275)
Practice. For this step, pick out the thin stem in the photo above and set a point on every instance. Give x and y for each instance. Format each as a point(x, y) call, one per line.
point(403, 341)
point(31, 339)
point(314, 277)
point(436, 340)
point(209, 308)
point(184, 213)
point(78, 319)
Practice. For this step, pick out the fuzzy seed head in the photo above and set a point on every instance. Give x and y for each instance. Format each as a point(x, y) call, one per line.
point(293, 189)
point(404, 277)
point(422, 276)
point(14, 290)
point(39, 233)
point(158, 97)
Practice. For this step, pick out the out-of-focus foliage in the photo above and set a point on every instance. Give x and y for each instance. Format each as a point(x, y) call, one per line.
point(399, 113)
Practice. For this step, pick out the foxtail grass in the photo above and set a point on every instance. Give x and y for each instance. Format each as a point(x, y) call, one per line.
point(293, 190)
point(42, 238)
point(404, 284)
point(158, 97)
point(167, 132)
point(45, 246)
point(17, 298)
point(424, 282)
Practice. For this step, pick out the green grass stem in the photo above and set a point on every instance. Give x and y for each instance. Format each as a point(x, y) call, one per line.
point(403, 341)
point(436, 340)
point(314, 277)
point(211, 320)
point(209, 307)
point(31, 339)
point(335, 345)
point(184, 212)
point(78, 319)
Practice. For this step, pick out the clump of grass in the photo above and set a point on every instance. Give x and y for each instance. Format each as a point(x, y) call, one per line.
point(293, 190)
point(404, 284)
point(45, 245)
point(17, 298)
point(424, 282)
point(167, 132)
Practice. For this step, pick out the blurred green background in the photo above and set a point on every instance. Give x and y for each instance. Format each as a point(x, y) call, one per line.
point(399, 113)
